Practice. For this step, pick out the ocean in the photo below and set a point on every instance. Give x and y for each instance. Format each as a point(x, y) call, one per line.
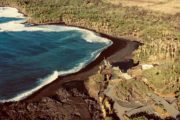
point(34, 56)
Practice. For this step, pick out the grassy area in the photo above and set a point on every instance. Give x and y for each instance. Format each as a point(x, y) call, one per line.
point(165, 6)
point(165, 77)
point(159, 32)
point(132, 88)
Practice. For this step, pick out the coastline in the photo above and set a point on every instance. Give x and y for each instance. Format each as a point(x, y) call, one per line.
point(120, 49)
point(84, 73)
point(157, 31)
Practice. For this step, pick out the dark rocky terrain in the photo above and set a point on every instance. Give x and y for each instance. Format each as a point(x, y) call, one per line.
point(70, 102)
point(159, 33)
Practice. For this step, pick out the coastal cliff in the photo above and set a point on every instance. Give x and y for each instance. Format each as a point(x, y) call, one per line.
point(159, 32)
point(129, 95)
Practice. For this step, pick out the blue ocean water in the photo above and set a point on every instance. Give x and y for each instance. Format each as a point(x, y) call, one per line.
point(27, 58)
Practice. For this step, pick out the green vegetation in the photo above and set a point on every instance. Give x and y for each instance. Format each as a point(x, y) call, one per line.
point(165, 77)
point(42, 11)
point(159, 32)
point(132, 88)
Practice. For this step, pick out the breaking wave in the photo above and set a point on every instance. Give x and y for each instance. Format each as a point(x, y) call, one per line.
point(50, 78)
point(18, 26)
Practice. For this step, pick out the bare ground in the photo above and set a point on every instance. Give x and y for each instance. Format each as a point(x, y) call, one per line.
point(164, 6)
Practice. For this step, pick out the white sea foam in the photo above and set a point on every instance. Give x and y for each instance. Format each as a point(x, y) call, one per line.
point(52, 77)
point(43, 82)
point(15, 26)
point(10, 12)
point(25, 94)
point(18, 26)
point(88, 35)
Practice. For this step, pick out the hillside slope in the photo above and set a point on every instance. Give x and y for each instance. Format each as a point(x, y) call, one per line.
point(157, 27)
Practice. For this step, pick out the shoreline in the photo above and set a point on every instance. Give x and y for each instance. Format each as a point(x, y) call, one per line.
point(120, 49)
point(155, 31)
point(118, 44)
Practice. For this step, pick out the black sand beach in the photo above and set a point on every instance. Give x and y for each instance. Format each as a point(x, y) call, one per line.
point(118, 51)
point(67, 97)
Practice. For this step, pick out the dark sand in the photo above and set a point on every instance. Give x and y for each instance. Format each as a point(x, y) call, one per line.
point(66, 98)
point(118, 51)
point(70, 102)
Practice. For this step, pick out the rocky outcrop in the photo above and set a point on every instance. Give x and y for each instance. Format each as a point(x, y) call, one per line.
point(127, 95)
point(68, 103)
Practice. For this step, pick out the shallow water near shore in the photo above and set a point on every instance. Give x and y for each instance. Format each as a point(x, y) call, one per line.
point(34, 56)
